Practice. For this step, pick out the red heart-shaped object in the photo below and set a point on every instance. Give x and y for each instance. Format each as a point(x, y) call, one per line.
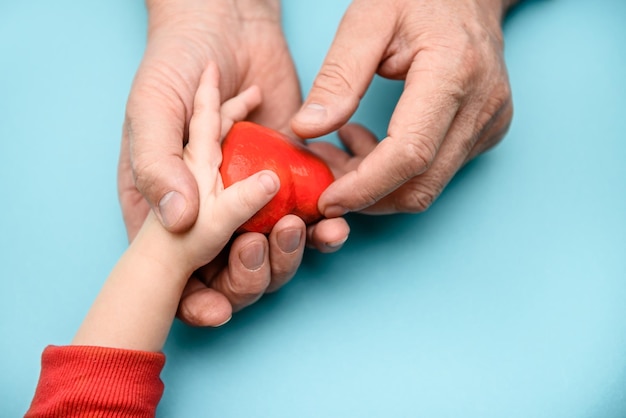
point(249, 148)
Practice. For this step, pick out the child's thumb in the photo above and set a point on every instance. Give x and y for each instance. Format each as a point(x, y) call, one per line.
point(242, 200)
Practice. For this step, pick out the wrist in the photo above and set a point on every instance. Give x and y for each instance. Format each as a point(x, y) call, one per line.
point(159, 246)
point(498, 7)
point(137, 304)
point(174, 12)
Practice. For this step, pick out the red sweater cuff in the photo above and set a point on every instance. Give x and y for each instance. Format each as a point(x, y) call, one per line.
point(79, 381)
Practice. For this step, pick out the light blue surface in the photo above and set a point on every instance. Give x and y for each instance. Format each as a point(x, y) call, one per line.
point(505, 299)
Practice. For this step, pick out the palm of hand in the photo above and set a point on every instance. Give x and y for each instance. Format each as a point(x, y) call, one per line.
point(158, 114)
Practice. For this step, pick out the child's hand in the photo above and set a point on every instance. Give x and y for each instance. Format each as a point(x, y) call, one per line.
point(137, 304)
point(222, 211)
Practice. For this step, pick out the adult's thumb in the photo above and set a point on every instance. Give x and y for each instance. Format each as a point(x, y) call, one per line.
point(155, 132)
point(346, 73)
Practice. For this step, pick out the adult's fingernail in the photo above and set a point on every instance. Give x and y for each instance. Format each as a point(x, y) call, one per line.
point(312, 114)
point(224, 323)
point(252, 256)
point(335, 211)
point(289, 240)
point(171, 208)
point(336, 244)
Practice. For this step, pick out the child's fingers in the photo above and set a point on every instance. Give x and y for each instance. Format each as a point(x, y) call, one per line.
point(238, 107)
point(205, 123)
point(242, 200)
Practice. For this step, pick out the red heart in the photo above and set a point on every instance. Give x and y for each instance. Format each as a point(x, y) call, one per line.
point(249, 148)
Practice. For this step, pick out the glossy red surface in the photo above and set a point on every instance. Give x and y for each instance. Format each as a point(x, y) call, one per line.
point(249, 148)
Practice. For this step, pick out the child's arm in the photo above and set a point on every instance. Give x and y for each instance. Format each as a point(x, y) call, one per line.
point(136, 307)
point(138, 302)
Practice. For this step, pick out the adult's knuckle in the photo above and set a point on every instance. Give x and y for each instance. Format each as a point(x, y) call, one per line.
point(416, 198)
point(419, 150)
point(472, 59)
point(367, 195)
point(461, 60)
point(501, 95)
point(499, 131)
point(164, 86)
point(507, 116)
point(189, 315)
point(333, 78)
point(503, 88)
point(145, 170)
point(250, 286)
point(471, 132)
point(497, 110)
point(282, 272)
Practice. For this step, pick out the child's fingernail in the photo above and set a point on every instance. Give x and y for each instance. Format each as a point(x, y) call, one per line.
point(312, 114)
point(289, 240)
point(252, 256)
point(171, 208)
point(268, 182)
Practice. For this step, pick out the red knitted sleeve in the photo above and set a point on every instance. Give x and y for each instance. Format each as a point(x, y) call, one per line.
point(81, 381)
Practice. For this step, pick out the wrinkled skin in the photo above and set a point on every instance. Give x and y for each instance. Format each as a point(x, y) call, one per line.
point(456, 104)
point(456, 101)
point(245, 40)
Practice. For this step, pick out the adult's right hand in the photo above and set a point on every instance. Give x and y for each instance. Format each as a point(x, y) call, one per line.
point(244, 38)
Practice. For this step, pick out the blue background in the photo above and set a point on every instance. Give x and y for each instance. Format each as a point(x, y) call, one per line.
point(505, 299)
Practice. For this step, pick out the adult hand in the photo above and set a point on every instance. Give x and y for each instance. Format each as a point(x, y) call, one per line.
point(456, 101)
point(245, 40)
